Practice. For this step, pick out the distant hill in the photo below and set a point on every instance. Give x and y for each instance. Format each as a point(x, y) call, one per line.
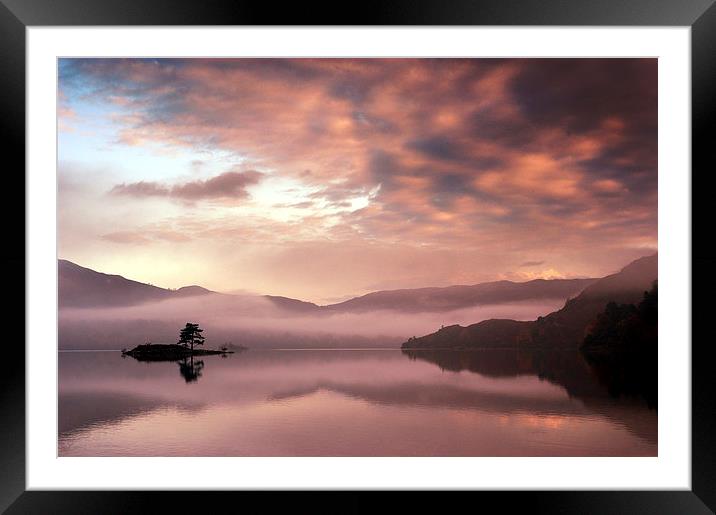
point(458, 297)
point(190, 291)
point(83, 287)
point(563, 328)
point(288, 304)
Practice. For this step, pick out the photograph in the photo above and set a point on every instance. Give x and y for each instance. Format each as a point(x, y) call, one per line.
point(357, 256)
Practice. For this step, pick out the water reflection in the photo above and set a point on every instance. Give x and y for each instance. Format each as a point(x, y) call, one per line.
point(629, 375)
point(350, 403)
point(620, 376)
point(191, 370)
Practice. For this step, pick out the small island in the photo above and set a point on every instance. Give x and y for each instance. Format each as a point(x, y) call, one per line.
point(189, 336)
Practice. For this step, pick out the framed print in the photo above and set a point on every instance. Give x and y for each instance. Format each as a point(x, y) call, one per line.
point(417, 249)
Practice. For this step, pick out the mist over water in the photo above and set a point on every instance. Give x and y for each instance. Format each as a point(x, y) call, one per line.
point(257, 322)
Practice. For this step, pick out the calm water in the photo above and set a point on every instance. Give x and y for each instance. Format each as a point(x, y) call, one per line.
point(350, 403)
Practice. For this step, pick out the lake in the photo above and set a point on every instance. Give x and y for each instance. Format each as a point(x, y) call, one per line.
point(367, 402)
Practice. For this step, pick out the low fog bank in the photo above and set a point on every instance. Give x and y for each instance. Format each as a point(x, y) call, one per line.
point(257, 322)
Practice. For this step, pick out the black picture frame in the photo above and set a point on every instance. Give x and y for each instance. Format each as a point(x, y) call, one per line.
point(16, 15)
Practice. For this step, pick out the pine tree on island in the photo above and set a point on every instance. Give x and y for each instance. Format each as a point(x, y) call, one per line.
point(191, 335)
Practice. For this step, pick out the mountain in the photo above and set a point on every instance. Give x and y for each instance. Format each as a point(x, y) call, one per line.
point(293, 305)
point(563, 328)
point(457, 297)
point(191, 291)
point(82, 287)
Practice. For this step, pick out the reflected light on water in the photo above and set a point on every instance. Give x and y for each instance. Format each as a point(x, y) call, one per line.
point(348, 403)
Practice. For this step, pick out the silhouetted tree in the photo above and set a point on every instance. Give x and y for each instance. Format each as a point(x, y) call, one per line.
point(626, 327)
point(191, 335)
point(622, 347)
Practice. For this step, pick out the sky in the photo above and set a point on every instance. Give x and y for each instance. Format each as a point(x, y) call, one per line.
point(322, 179)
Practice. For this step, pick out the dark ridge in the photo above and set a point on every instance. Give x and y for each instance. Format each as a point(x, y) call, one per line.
point(456, 297)
point(564, 328)
point(83, 287)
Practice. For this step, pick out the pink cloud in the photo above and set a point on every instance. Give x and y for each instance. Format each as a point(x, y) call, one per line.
point(508, 157)
point(227, 185)
point(125, 237)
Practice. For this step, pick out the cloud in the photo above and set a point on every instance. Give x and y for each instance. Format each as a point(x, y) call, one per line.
point(492, 158)
point(549, 273)
point(228, 185)
point(146, 236)
point(531, 263)
point(141, 189)
point(125, 237)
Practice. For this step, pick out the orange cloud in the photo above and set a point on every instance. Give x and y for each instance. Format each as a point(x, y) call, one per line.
point(499, 158)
